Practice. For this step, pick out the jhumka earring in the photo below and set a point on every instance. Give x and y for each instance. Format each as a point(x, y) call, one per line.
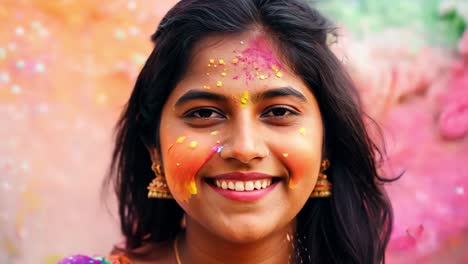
point(158, 187)
point(323, 187)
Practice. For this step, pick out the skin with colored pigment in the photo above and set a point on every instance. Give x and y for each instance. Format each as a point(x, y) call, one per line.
point(268, 125)
point(187, 157)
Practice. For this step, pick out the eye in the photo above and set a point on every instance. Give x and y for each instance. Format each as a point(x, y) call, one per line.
point(204, 113)
point(279, 111)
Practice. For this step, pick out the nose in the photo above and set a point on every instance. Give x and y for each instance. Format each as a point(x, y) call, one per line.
point(245, 143)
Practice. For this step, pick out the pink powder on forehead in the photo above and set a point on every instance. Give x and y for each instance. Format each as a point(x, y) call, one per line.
point(258, 58)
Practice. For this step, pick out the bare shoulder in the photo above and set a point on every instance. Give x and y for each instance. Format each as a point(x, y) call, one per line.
point(161, 253)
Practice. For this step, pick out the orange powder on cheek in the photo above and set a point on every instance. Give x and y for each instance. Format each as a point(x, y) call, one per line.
point(299, 165)
point(185, 158)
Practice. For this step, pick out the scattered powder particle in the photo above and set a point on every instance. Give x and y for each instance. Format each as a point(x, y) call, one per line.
point(193, 144)
point(214, 133)
point(279, 74)
point(302, 130)
point(219, 83)
point(206, 87)
point(224, 74)
point(244, 99)
point(181, 139)
point(221, 62)
point(212, 61)
point(235, 60)
point(285, 155)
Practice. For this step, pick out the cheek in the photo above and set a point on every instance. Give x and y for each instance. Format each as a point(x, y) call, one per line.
point(301, 155)
point(182, 160)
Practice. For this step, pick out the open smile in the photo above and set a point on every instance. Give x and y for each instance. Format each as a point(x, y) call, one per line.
point(246, 187)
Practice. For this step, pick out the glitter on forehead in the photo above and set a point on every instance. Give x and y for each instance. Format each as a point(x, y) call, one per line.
point(244, 99)
point(258, 60)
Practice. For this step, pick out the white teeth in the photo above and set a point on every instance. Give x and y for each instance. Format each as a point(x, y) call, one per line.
point(241, 186)
point(224, 185)
point(249, 186)
point(258, 185)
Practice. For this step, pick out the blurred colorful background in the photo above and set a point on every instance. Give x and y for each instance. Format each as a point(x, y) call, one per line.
point(67, 68)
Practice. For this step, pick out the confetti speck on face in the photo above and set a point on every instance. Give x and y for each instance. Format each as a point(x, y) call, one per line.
point(219, 83)
point(193, 144)
point(244, 99)
point(181, 139)
point(279, 74)
point(221, 62)
point(224, 74)
point(285, 155)
point(262, 77)
point(207, 87)
point(302, 130)
point(212, 61)
point(214, 133)
point(193, 188)
point(235, 60)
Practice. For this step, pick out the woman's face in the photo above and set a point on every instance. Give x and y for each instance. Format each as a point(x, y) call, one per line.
point(241, 139)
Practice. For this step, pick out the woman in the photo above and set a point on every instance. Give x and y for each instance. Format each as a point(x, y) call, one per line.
point(243, 142)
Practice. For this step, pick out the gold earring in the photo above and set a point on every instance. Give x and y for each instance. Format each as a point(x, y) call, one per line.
point(323, 187)
point(158, 187)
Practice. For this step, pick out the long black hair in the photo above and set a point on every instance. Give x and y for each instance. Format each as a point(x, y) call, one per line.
point(352, 226)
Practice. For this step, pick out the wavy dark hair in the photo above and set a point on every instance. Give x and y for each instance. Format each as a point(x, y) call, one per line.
point(354, 225)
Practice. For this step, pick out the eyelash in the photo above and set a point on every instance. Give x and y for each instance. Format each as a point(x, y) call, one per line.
point(192, 114)
point(288, 110)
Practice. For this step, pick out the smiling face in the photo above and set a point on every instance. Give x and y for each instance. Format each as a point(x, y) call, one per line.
point(241, 139)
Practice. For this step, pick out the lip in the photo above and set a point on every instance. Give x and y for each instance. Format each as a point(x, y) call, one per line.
point(243, 176)
point(244, 196)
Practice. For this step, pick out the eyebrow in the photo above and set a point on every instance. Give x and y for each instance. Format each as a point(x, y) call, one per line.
point(280, 92)
point(195, 94)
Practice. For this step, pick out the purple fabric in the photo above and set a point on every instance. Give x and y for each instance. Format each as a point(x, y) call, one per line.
point(80, 259)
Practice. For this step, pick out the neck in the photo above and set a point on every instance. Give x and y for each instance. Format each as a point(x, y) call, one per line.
point(198, 245)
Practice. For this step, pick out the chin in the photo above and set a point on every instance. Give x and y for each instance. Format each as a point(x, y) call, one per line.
point(245, 233)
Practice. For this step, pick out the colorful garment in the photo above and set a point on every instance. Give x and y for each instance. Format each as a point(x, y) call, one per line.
point(82, 259)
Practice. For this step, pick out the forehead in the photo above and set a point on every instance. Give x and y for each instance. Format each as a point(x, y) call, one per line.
point(236, 63)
